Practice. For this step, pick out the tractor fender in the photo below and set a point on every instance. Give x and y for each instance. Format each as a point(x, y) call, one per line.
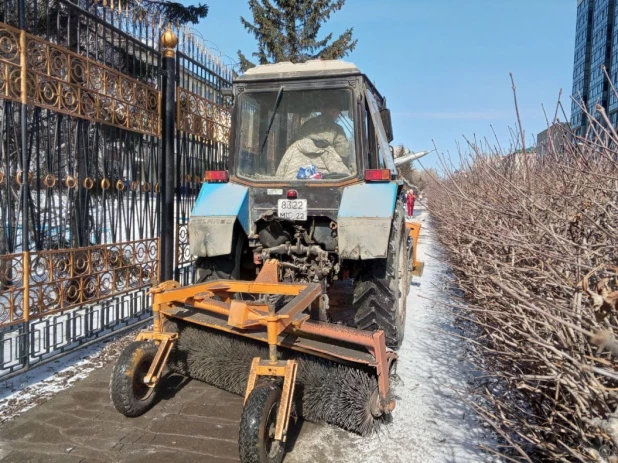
point(364, 220)
point(216, 210)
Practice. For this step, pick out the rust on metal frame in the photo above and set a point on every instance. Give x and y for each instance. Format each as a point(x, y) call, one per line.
point(157, 292)
point(252, 377)
point(375, 342)
point(242, 317)
point(244, 314)
point(181, 294)
point(284, 321)
point(287, 396)
point(376, 355)
point(269, 272)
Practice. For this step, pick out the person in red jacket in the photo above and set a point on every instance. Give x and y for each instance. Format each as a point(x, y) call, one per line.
point(410, 199)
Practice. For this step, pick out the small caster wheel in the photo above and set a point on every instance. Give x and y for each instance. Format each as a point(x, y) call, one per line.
point(256, 440)
point(129, 394)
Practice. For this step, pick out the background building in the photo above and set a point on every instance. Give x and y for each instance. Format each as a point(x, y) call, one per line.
point(559, 134)
point(596, 45)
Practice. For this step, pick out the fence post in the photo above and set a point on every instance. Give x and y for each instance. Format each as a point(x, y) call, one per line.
point(168, 119)
point(25, 185)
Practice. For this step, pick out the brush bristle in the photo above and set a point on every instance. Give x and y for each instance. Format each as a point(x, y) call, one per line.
point(215, 358)
point(325, 391)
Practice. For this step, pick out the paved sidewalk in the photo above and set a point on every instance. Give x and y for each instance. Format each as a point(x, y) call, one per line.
point(192, 422)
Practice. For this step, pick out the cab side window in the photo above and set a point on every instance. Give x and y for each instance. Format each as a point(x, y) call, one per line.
point(372, 143)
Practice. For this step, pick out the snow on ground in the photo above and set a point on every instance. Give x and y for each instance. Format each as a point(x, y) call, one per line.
point(38, 385)
point(431, 422)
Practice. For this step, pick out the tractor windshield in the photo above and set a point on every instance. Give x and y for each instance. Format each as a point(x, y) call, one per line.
point(289, 134)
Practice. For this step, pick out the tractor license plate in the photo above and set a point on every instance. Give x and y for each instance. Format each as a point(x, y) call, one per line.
point(293, 209)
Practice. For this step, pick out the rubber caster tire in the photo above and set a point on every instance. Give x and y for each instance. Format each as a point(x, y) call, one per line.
point(256, 440)
point(129, 394)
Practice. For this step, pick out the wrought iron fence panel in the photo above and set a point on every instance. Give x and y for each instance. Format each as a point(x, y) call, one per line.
point(202, 137)
point(82, 158)
point(80, 150)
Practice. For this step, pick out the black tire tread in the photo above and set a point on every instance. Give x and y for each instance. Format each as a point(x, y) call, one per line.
point(376, 290)
point(249, 434)
point(121, 384)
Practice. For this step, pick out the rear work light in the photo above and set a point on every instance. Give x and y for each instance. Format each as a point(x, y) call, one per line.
point(377, 175)
point(215, 176)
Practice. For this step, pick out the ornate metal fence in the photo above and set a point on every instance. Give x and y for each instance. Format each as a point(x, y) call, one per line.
point(202, 133)
point(82, 169)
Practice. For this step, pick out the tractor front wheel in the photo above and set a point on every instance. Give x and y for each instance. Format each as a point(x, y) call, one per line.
point(129, 394)
point(256, 440)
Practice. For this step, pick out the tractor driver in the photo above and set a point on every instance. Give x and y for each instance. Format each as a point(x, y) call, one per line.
point(319, 142)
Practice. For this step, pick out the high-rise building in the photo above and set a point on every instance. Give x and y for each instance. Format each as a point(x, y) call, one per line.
point(596, 47)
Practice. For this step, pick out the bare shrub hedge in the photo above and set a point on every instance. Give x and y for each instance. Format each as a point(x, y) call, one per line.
point(533, 240)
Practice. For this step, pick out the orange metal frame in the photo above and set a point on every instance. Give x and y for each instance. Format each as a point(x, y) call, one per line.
point(288, 327)
point(414, 229)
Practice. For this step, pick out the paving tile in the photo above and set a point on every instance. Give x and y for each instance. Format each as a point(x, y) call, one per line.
point(191, 422)
point(26, 456)
point(197, 426)
point(197, 445)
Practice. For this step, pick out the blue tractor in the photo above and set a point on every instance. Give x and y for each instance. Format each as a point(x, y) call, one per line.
point(311, 198)
point(312, 183)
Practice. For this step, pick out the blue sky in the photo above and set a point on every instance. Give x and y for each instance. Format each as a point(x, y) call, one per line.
point(444, 64)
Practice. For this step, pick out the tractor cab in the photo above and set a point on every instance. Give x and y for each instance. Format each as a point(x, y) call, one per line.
point(320, 123)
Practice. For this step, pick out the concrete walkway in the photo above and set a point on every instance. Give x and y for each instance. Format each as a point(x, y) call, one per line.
point(192, 422)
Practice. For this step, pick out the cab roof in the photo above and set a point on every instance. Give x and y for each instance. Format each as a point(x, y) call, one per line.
point(289, 70)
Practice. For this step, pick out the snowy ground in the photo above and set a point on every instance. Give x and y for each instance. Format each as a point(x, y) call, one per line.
point(431, 422)
point(38, 385)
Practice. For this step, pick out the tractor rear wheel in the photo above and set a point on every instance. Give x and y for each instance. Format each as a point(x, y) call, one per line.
point(380, 289)
point(221, 267)
point(256, 440)
point(127, 389)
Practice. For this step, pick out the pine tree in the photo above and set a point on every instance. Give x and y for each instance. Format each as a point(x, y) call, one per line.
point(287, 30)
point(170, 11)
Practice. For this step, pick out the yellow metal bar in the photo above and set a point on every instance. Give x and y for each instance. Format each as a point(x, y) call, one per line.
point(181, 294)
point(287, 396)
point(270, 370)
point(166, 342)
point(252, 377)
point(213, 306)
point(24, 100)
point(26, 273)
point(157, 293)
point(24, 74)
